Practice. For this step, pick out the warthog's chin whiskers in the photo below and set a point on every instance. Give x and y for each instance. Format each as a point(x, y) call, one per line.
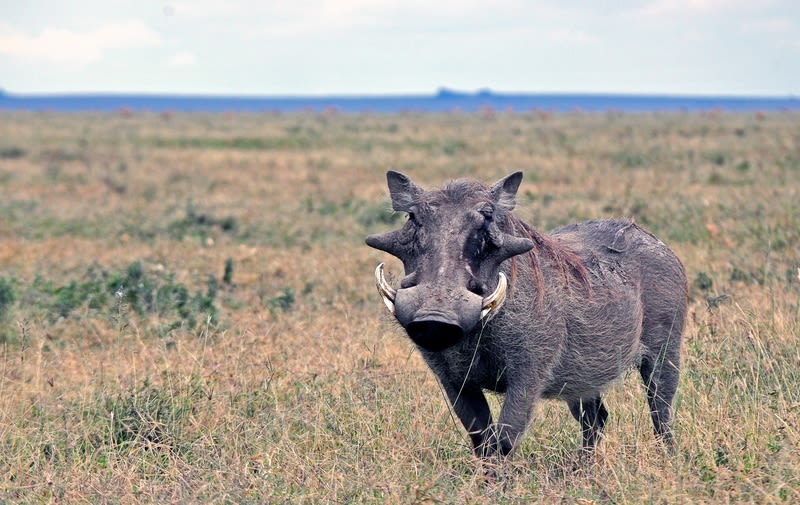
point(494, 301)
point(386, 291)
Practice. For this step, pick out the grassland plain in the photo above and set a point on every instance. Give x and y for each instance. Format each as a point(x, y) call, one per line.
point(187, 311)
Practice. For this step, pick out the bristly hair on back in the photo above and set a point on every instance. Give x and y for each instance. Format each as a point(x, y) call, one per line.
point(568, 263)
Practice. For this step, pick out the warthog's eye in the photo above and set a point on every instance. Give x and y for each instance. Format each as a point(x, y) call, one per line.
point(476, 286)
point(480, 243)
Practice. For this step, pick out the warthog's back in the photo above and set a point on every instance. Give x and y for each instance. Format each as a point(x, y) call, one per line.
point(644, 259)
point(638, 284)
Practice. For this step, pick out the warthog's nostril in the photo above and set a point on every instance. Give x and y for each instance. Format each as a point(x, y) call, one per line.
point(434, 335)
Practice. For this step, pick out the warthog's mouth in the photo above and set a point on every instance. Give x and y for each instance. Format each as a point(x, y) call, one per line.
point(435, 331)
point(434, 334)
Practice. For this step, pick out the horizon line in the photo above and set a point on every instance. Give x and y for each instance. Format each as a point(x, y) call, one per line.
point(441, 92)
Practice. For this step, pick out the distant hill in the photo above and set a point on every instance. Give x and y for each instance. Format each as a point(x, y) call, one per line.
point(443, 100)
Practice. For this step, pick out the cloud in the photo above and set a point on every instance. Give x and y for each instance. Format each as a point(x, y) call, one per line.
point(570, 36)
point(267, 12)
point(769, 26)
point(205, 9)
point(308, 18)
point(59, 45)
point(182, 59)
point(657, 8)
point(780, 31)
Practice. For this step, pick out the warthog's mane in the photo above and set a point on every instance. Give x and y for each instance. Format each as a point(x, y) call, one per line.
point(565, 261)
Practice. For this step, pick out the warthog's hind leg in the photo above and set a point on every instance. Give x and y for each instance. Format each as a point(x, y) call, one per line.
point(592, 415)
point(660, 376)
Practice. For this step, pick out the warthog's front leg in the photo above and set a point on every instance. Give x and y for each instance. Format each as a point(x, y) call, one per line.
point(503, 437)
point(472, 409)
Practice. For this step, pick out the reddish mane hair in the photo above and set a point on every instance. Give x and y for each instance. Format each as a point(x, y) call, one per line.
point(569, 264)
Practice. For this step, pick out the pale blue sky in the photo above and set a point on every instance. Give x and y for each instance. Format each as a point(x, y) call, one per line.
point(302, 47)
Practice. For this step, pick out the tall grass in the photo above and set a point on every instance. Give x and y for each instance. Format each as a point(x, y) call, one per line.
point(187, 312)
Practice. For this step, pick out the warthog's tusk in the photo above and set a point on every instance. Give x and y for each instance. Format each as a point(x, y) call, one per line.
point(386, 291)
point(494, 301)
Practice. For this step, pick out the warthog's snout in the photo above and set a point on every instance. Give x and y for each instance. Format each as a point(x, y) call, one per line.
point(434, 318)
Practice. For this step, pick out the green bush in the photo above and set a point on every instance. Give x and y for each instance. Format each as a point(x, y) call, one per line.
point(12, 153)
point(116, 294)
point(7, 296)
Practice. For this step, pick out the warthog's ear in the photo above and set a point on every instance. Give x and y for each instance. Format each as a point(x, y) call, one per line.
point(402, 190)
point(504, 191)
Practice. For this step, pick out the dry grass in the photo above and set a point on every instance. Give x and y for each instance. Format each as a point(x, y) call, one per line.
point(134, 369)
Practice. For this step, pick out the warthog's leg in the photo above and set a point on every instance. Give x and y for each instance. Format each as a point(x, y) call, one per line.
point(660, 375)
point(514, 416)
point(473, 411)
point(592, 415)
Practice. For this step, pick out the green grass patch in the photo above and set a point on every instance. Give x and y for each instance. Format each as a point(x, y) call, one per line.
point(116, 296)
point(240, 143)
point(12, 153)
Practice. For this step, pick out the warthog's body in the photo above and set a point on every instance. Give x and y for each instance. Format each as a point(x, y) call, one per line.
point(584, 304)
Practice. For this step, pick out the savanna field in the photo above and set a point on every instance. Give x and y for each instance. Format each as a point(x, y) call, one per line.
point(188, 314)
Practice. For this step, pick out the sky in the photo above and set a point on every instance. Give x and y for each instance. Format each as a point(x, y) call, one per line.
point(380, 47)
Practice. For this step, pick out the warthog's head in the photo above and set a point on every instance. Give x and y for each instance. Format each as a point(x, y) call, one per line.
point(451, 247)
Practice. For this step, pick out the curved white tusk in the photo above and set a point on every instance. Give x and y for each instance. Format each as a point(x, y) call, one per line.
point(386, 291)
point(494, 301)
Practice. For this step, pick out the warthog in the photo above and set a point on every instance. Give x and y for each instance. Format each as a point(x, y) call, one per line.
point(493, 304)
